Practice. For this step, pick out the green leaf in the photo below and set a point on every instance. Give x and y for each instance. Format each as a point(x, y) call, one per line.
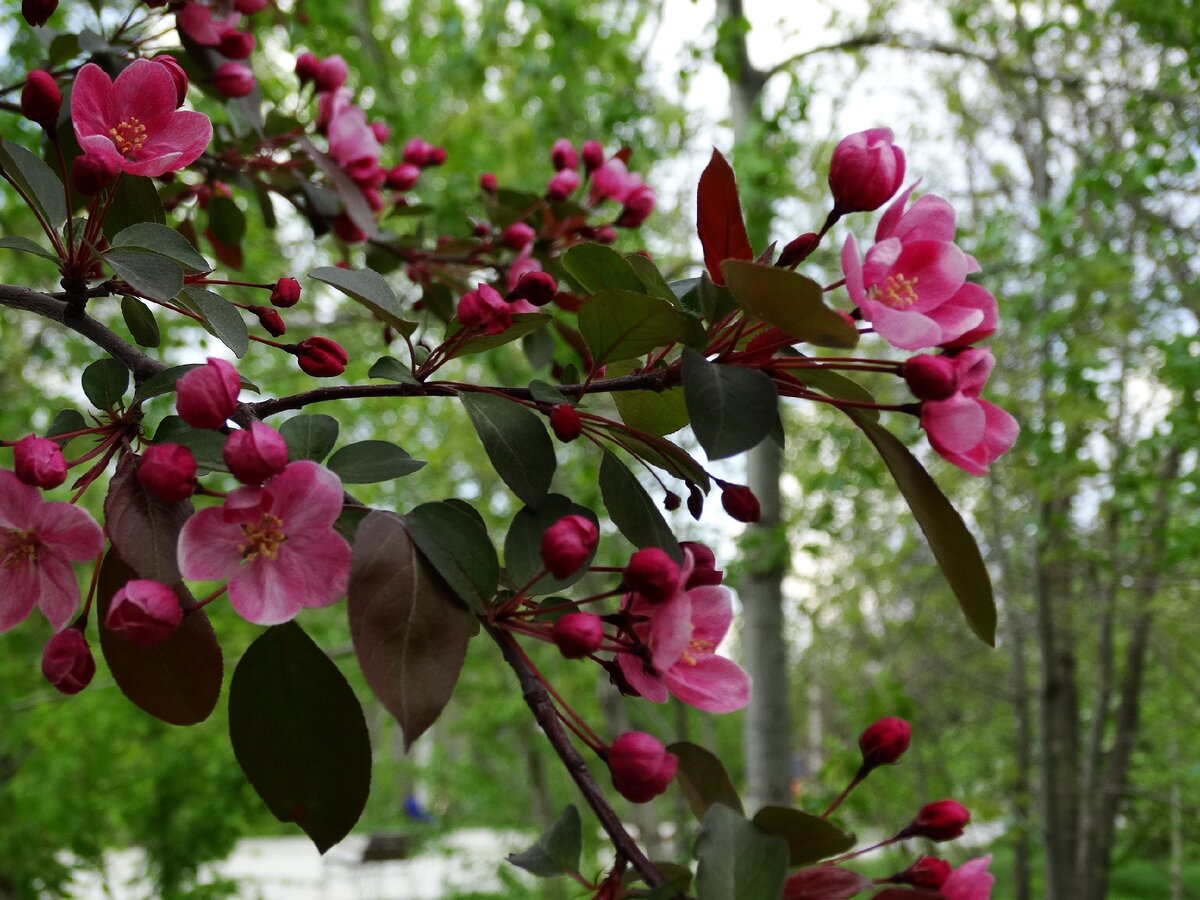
point(522, 324)
point(391, 369)
point(36, 180)
point(809, 838)
point(226, 220)
point(623, 325)
point(838, 386)
point(545, 393)
point(410, 631)
point(452, 537)
point(557, 851)
point(652, 279)
point(368, 462)
point(662, 454)
point(631, 509)
point(715, 301)
point(220, 316)
point(597, 267)
point(105, 382)
point(140, 321)
point(205, 443)
point(658, 412)
point(149, 274)
point(164, 241)
point(703, 779)
point(731, 408)
point(953, 547)
point(309, 436)
point(65, 421)
point(134, 200)
point(299, 734)
point(789, 301)
point(516, 442)
point(522, 544)
point(370, 289)
point(738, 860)
point(25, 245)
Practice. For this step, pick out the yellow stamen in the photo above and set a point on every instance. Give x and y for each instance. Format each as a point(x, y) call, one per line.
point(129, 135)
point(262, 538)
point(695, 646)
point(897, 291)
point(22, 551)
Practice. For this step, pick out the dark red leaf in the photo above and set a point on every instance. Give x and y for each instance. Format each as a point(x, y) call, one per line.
point(719, 217)
point(143, 529)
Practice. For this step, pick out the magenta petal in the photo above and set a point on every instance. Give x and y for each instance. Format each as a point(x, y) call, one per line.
point(264, 592)
point(102, 147)
point(939, 267)
point(906, 329)
point(974, 366)
point(19, 502)
point(887, 222)
point(322, 564)
point(146, 91)
point(954, 321)
point(210, 549)
point(852, 269)
point(970, 881)
point(972, 296)
point(670, 630)
point(956, 425)
point(93, 103)
point(58, 590)
point(306, 496)
point(929, 219)
point(19, 588)
point(650, 687)
point(880, 261)
point(712, 614)
point(714, 684)
point(154, 165)
point(69, 531)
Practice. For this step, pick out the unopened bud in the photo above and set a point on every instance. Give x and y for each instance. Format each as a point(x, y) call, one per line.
point(207, 396)
point(943, 820)
point(798, 250)
point(672, 501)
point(144, 612)
point(255, 454)
point(286, 293)
point(536, 287)
point(883, 743)
point(233, 80)
point(320, 357)
point(653, 574)
point(236, 44)
point(307, 65)
point(403, 177)
point(168, 471)
point(865, 171)
point(638, 206)
point(568, 544)
point(704, 566)
point(39, 462)
point(640, 765)
point(562, 155)
point(927, 872)
point(593, 155)
point(67, 661)
point(578, 634)
point(331, 73)
point(37, 12)
point(269, 319)
point(92, 174)
point(931, 377)
point(739, 501)
point(41, 99)
point(487, 183)
point(517, 235)
point(695, 501)
point(565, 422)
point(249, 7)
point(562, 185)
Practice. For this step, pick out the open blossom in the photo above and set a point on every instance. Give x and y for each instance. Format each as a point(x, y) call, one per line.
point(133, 123)
point(965, 429)
point(275, 544)
point(970, 881)
point(38, 542)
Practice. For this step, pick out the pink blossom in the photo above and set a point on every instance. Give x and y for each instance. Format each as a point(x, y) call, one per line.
point(197, 22)
point(485, 308)
point(38, 542)
point(613, 181)
point(133, 123)
point(352, 143)
point(275, 544)
point(964, 429)
point(970, 881)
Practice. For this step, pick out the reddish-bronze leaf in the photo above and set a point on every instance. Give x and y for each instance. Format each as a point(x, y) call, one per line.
point(143, 529)
point(719, 217)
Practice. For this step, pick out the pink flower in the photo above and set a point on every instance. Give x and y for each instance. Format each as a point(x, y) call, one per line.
point(275, 544)
point(197, 22)
point(964, 429)
point(38, 542)
point(970, 881)
point(639, 203)
point(352, 143)
point(613, 181)
point(866, 169)
point(133, 123)
point(485, 308)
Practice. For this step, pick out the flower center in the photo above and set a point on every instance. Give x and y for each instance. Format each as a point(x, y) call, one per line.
point(695, 647)
point(129, 135)
point(897, 291)
point(21, 550)
point(262, 538)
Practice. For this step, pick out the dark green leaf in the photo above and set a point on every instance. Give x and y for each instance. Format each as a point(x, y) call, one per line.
point(456, 543)
point(226, 220)
point(522, 544)
point(662, 454)
point(952, 545)
point(134, 200)
point(789, 301)
point(165, 242)
point(392, 369)
point(809, 838)
point(557, 850)
point(410, 632)
point(309, 436)
point(738, 860)
point(731, 408)
point(370, 289)
point(631, 509)
point(703, 779)
point(299, 734)
point(522, 324)
point(221, 318)
point(36, 180)
point(25, 245)
point(597, 267)
point(65, 421)
point(545, 393)
point(516, 442)
point(140, 321)
point(715, 301)
point(652, 279)
point(657, 412)
point(622, 325)
point(368, 462)
point(149, 274)
point(105, 382)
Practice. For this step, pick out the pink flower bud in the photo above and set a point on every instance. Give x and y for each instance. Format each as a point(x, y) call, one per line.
point(269, 319)
point(168, 471)
point(567, 544)
point(605, 234)
point(171, 64)
point(437, 156)
point(286, 293)
point(536, 287)
point(517, 235)
point(485, 308)
point(207, 396)
point(331, 73)
point(487, 183)
point(927, 872)
point(67, 661)
point(249, 7)
point(236, 44)
point(416, 152)
point(255, 454)
point(562, 155)
point(41, 99)
point(866, 170)
point(640, 765)
point(233, 80)
point(144, 612)
point(562, 185)
point(403, 177)
point(639, 203)
point(307, 65)
point(320, 357)
point(92, 174)
point(943, 820)
point(578, 634)
point(798, 250)
point(704, 566)
point(883, 743)
point(36, 13)
point(565, 422)
point(653, 574)
point(381, 131)
point(739, 501)
point(39, 462)
point(593, 155)
point(931, 377)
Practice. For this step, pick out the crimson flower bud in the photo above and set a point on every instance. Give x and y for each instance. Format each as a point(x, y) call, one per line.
point(931, 377)
point(39, 462)
point(593, 155)
point(249, 7)
point(484, 308)
point(331, 73)
point(92, 174)
point(562, 185)
point(416, 152)
point(487, 183)
point(562, 155)
point(144, 612)
point(36, 13)
point(568, 543)
point(739, 501)
point(171, 64)
point(653, 574)
point(578, 634)
point(269, 319)
point(41, 99)
point(704, 566)
point(67, 661)
point(207, 396)
point(640, 765)
point(255, 454)
point(286, 293)
point(865, 171)
point(233, 80)
point(168, 471)
point(942, 820)
point(883, 743)
point(798, 250)
point(517, 235)
point(381, 131)
point(927, 872)
point(536, 287)
point(565, 422)
point(403, 177)
point(236, 44)
point(638, 206)
point(320, 357)
point(605, 234)
point(437, 156)
point(307, 65)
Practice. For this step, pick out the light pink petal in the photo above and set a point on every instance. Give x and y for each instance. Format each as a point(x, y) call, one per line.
point(712, 614)
point(153, 165)
point(880, 261)
point(19, 589)
point(973, 366)
point(954, 321)
point(972, 296)
point(186, 136)
point(970, 881)
point(887, 222)
point(938, 267)
point(321, 563)
point(852, 269)
point(264, 592)
point(145, 90)
point(973, 265)
point(650, 687)
point(19, 502)
point(1001, 431)
point(929, 219)
point(670, 630)
point(955, 425)
point(58, 590)
point(69, 531)
point(210, 549)
point(714, 684)
point(93, 109)
point(906, 329)
point(307, 496)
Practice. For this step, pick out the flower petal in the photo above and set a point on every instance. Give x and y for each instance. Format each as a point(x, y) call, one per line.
point(955, 425)
point(19, 502)
point(714, 684)
point(93, 103)
point(906, 329)
point(306, 496)
point(264, 592)
point(144, 90)
point(648, 685)
point(58, 589)
point(712, 614)
point(322, 564)
point(210, 549)
point(852, 269)
point(19, 588)
point(68, 531)
point(670, 630)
